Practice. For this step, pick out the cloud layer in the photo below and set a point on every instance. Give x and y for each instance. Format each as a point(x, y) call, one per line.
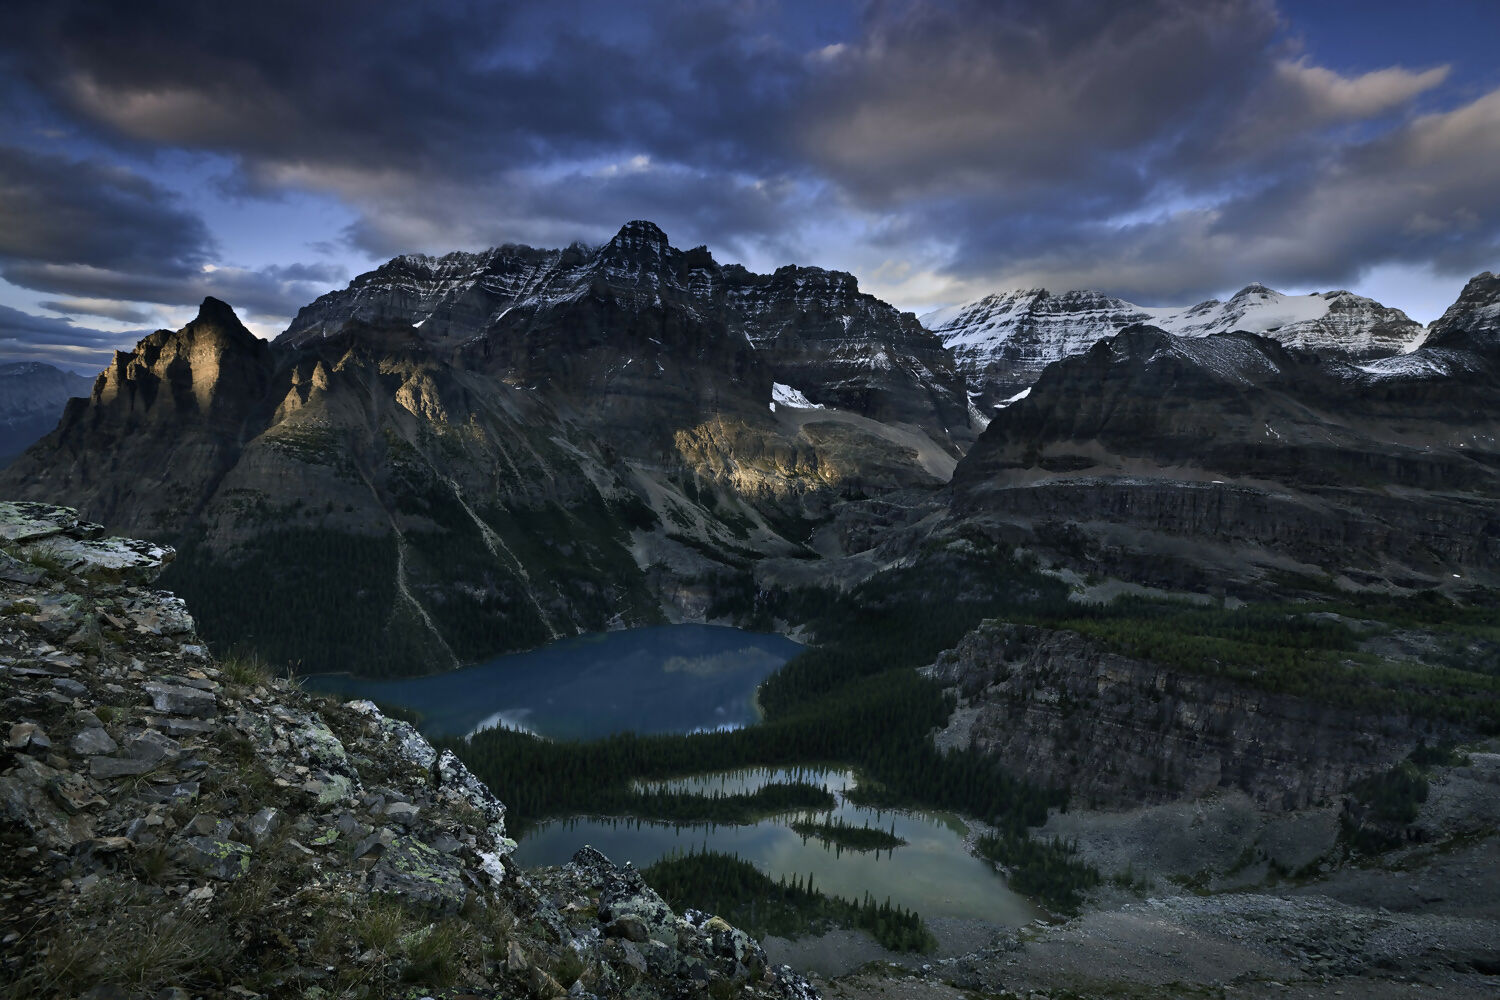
point(1159, 149)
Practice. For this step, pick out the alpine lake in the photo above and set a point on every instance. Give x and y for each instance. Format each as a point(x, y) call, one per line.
point(687, 678)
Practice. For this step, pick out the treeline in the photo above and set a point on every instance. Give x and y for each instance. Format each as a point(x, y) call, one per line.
point(843, 835)
point(333, 597)
point(1048, 870)
point(881, 726)
point(1294, 650)
point(541, 778)
point(732, 888)
point(743, 807)
point(905, 617)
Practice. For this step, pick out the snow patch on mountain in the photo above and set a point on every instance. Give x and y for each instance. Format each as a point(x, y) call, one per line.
point(785, 395)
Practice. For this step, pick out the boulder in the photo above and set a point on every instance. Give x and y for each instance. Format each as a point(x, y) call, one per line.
point(216, 857)
point(94, 740)
point(175, 699)
point(414, 870)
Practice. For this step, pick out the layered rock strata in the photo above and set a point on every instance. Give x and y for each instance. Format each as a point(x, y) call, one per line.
point(1115, 731)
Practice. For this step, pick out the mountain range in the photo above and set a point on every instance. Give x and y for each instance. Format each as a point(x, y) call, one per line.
point(1200, 462)
point(32, 397)
point(462, 455)
point(1001, 343)
point(477, 453)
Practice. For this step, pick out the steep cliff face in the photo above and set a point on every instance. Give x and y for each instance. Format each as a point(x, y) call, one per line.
point(480, 452)
point(161, 427)
point(1118, 731)
point(843, 348)
point(32, 398)
point(390, 509)
point(1001, 343)
point(1263, 456)
point(176, 824)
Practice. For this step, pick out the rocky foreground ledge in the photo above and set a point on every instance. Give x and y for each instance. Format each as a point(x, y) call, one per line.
point(176, 826)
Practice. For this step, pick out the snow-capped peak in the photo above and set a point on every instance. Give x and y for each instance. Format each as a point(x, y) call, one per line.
point(1003, 341)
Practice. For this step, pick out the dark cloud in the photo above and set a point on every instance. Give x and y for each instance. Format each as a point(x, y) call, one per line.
point(274, 292)
point(452, 89)
point(446, 125)
point(1163, 149)
point(61, 211)
point(693, 206)
point(111, 240)
point(26, 337)
point(124, 312)
point(1027, 100)
point(1424, 192)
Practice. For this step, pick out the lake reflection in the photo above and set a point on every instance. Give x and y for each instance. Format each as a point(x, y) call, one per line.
point(663, 679)
point(931, 873)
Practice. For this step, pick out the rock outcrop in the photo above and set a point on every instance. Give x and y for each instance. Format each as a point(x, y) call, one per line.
point(1473, 321)
point(1116, 731)
point(175, 822)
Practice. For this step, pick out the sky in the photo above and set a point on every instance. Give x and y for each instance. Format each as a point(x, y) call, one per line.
point(1166, 151)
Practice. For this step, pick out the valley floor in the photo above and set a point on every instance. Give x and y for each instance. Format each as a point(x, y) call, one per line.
point(1421, 921)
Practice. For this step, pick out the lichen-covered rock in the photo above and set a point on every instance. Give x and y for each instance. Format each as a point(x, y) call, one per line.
point(687, 954)
point(56, 535)
point(21, 522)
point(412, 869)
point(457, 784)
point(123, 558)
point(216, 857)
point(409, 744)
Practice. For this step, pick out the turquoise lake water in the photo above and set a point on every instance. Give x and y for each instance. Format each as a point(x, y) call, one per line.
point(660, 679)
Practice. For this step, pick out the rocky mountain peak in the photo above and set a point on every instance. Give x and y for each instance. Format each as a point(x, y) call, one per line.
point(817, 281)
point(197, 350)
point(1474, 319)
point(1134, 339)
point(178, 401)
point(641, 234)
point(219, 314)
point(15, 373)
point(1003, 342)
point(644, 309)
point(21, 369)
point(639, 256)
point(1253, 290)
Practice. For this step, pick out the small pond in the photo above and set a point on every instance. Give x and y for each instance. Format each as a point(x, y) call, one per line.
point(931, 873)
